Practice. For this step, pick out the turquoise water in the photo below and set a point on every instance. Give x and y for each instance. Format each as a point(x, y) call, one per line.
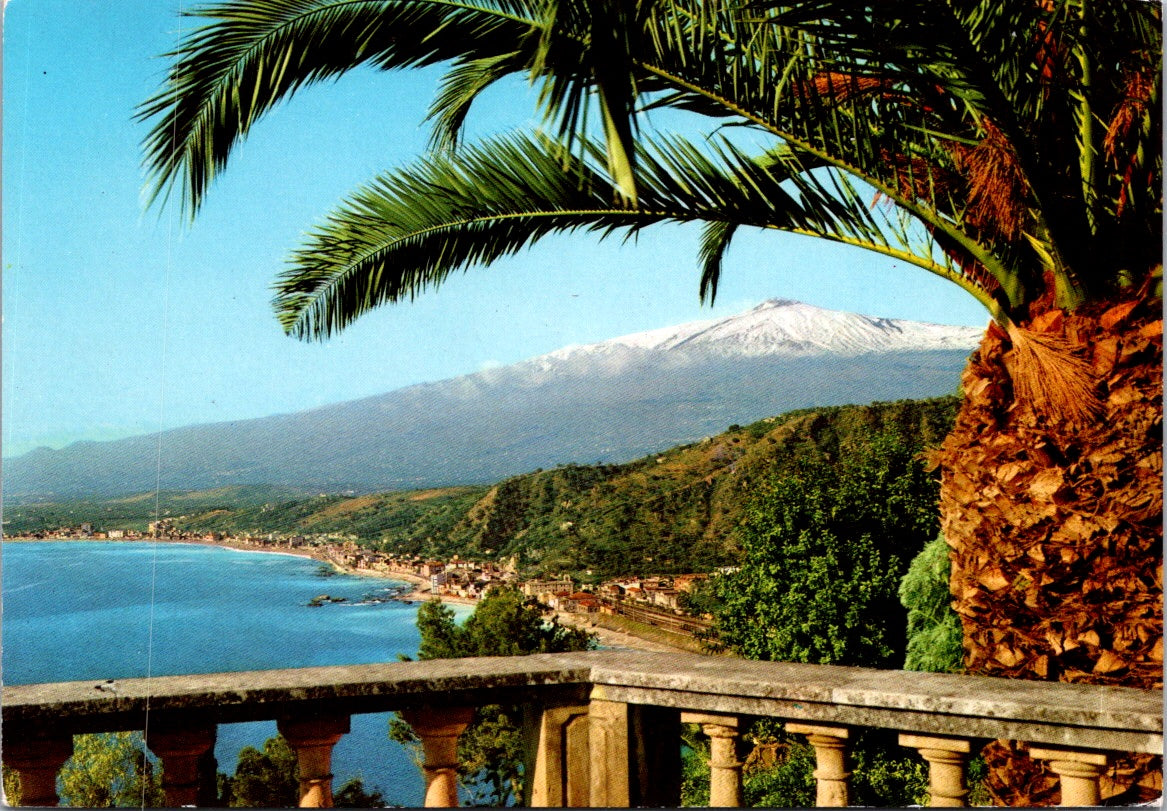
point(99, 610)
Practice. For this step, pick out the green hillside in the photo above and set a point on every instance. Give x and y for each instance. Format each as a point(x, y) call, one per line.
point(413, 521)
point(675, 511)
point(679, 510)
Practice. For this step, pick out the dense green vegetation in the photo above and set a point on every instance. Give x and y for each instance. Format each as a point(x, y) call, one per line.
point(680, 510)
point(677, 511)
point(410, 522)
point(827, 540)
point(110, 770)
point(825, 547)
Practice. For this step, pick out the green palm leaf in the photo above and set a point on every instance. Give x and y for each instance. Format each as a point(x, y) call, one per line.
point(410, 229)
point(228, 73)
point(956, 112)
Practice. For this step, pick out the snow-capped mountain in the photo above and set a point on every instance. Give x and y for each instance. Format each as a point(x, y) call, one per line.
point(780, 327)
point(611, 401)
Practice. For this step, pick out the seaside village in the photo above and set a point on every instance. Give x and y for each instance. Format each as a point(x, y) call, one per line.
point(651, 599)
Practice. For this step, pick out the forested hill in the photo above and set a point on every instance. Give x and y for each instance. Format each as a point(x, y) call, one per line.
point(674, 511)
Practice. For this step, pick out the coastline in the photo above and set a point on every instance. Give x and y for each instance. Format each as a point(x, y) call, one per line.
point(421, 592)
point(232, 547)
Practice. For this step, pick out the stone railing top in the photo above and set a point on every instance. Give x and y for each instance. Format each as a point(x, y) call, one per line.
point(952, 694)
point(1092, 716)
point(1060, 714)
point(265, 694)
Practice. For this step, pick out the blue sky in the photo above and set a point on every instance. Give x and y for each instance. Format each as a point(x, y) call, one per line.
point(120, 320)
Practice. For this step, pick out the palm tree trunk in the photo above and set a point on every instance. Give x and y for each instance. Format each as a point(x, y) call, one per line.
point(1055, 529)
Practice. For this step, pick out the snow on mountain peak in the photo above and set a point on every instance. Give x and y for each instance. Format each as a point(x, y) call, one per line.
point(785, 327)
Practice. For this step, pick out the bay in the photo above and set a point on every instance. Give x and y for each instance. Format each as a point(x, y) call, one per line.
point(81, 610)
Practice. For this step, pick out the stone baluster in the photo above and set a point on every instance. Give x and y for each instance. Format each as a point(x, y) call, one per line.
point(180, 750)
point(608, 747)
point(725, 770)
point(37, 761)
point(1078, 772)
point(830, 751)
point(313, 739)
point(439, 729)
point(559, 774)
point(946, 758)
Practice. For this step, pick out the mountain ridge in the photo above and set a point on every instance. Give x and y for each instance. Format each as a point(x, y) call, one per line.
point(788, 327)
point(610, 401)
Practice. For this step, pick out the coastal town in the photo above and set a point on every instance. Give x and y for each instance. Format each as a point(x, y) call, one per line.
point(656, 600)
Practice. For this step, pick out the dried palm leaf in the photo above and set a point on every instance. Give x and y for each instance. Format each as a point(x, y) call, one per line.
point(996, 184)
point(1046, 374)
point(1128, 114)
point(836, 87)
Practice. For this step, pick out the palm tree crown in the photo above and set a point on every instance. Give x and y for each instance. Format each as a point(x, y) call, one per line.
point(1013, 145)
point(1009, 146)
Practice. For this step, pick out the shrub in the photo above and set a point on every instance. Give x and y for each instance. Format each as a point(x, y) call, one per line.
point(934, 632)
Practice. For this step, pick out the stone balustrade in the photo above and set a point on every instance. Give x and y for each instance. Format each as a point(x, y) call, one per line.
point(602, 727)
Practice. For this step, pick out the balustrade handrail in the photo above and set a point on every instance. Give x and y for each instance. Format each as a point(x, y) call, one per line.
point(1094, 716)
point(599, 721)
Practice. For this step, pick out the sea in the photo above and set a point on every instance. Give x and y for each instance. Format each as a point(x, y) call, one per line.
point(97, 610)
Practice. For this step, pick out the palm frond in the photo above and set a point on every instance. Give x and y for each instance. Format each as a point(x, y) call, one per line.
point(588, 55)
point(461, 87)
point(715, 239)
point(228, 72)
point(410, 229)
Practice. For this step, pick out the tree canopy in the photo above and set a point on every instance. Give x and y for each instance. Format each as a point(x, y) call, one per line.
point(110, 770)
point(503, 624)
point(265, 778)
point(824, 550)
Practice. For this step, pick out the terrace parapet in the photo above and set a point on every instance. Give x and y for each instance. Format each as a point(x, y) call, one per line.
point(602, 726)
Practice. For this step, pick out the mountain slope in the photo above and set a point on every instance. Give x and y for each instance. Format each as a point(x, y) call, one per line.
point(613, 401)
point(677, 510)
